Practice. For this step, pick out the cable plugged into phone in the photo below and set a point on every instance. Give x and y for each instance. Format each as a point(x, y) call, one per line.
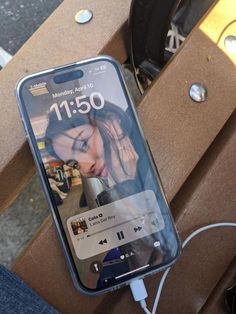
point(138, 288)
point(139, 293)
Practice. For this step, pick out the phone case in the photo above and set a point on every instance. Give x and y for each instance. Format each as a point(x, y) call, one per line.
point(121, 190)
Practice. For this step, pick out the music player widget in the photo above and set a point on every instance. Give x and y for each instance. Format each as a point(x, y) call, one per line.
point(107, 227)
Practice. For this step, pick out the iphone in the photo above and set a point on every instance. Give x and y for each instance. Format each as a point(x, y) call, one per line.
point(98, 175)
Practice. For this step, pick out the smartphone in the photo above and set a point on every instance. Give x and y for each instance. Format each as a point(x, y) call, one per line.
point(98, 175)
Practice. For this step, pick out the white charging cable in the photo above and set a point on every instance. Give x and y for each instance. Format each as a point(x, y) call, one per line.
point(137, 287)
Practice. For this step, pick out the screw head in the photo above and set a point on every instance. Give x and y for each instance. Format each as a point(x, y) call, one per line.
point(83, 16)
point(230, 43)
point(198, 92)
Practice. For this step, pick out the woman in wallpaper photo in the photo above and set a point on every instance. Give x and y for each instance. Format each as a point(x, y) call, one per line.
point(99, 144)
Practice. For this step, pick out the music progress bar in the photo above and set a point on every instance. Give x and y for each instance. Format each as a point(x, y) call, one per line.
point(132, 271)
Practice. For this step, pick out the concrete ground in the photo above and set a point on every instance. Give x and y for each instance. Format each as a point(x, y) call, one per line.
point(19, 222)
point(19, 19)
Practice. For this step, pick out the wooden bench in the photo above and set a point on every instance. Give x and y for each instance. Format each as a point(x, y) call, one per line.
point(193, 146)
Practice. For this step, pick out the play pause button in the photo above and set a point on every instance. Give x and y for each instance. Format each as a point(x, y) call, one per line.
point(120, 235)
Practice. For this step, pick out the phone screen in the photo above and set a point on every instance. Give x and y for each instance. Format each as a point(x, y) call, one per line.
point(101, 179)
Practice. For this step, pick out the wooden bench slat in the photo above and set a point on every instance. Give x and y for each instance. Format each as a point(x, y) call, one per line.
point(215, 303)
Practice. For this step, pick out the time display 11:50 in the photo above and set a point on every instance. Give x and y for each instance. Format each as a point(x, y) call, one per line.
point(83, 103)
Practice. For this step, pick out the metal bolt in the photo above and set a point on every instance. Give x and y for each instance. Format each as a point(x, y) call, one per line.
point(198, 92)
point(83, 16)
point(230, 43)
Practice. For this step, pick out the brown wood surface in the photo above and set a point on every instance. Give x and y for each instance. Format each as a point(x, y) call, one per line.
point(216, 302)
point(194, 149)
